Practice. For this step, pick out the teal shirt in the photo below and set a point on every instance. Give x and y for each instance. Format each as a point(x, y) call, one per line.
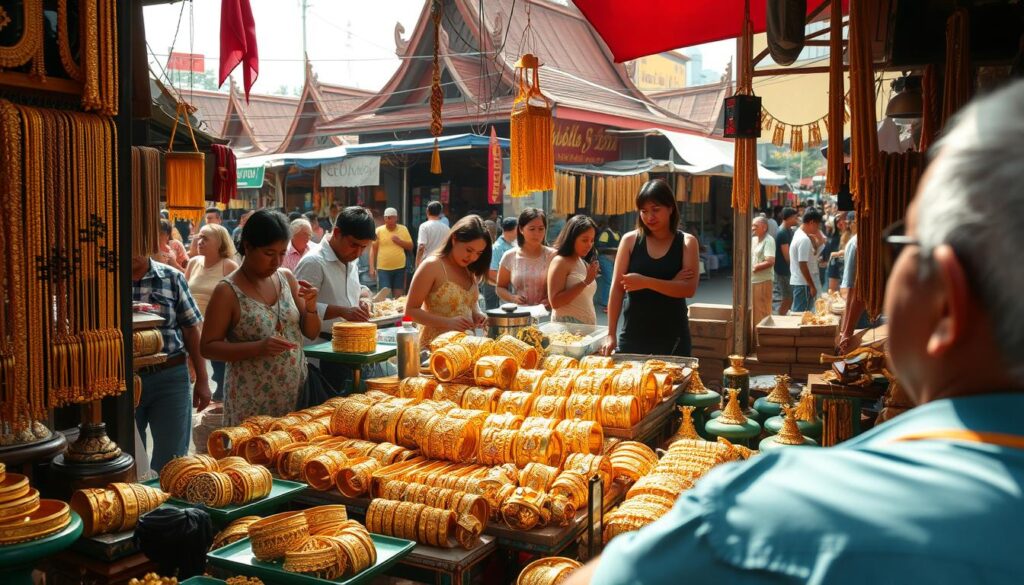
point(501, 246)
point(870, 511)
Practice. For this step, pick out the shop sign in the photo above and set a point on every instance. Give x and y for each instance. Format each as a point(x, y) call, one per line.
point(494, 182)
point(583, 143)
point(351, 172)
point(250, 178)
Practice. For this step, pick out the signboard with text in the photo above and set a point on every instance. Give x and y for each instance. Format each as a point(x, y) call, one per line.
point(351, 172)
point(250, 178)
point(494, 171)
point(584, 143)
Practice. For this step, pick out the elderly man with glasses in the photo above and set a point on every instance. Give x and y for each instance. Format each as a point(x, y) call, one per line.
point(932, 496)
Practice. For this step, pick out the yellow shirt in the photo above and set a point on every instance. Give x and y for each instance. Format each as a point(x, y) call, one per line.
point(391, 256)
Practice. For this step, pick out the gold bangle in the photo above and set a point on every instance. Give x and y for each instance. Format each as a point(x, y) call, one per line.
point(495, 371)
point(319, 471)
point(450, 361)
point(354, 478)
point(210, 488)
point(411, 425)
point(523, 353)
point(483, 399)
point(445, 339)
point(21, 507)
point(596, 362)
point(549, 407)
point(349, 419)
point(449, 392)
point(274, 535)
point(417, 388)
point(505, 421)
point(538, 476)
point(13, 487)
point(515, 403)
point(572, 485)
point(528, 380)
point(262, 449)
point(583, 407)
point(51, 516)
point(130, 504)
point(307, 431)
point(226, 441)
point(258, 424)
point(581, 436)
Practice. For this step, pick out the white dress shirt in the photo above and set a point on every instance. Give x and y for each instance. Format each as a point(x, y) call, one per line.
point(337, 281)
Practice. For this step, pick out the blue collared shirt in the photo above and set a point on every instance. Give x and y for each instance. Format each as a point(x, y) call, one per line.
point(872, 510)
point(501, 245)
point(166, 288)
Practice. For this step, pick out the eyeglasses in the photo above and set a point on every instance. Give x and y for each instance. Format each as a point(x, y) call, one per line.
point(896, 240)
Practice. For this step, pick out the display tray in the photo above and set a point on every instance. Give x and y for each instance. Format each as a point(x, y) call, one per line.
point(202, 580)
point(593, 337)
point(386, 320)
point(657, 416)
point(280, 492)
point(449, 559)
point(686, 362)
point(237, 557)
point(324, 351)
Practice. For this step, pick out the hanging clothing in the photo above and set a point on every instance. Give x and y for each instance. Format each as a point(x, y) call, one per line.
point(581, 308)
point(654, 323)
point(225, 178)
point(448, 300)
point(264, 385)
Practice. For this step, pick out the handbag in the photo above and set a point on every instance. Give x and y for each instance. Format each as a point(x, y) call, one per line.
point(315, 390)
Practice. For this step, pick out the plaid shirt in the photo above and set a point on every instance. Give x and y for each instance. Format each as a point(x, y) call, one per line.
point(166, 288)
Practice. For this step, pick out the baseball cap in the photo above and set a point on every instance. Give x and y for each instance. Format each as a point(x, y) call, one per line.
point(390, 211)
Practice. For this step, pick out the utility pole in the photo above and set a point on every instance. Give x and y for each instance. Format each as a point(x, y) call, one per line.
point(305, 5)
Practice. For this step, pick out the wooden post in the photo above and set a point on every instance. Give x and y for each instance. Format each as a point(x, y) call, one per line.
point(741, 218)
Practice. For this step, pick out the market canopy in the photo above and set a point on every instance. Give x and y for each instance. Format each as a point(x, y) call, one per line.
point(646, 27)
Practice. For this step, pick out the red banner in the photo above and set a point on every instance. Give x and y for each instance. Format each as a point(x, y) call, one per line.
point(584, 143)
point(194, 62)
point(495, 184)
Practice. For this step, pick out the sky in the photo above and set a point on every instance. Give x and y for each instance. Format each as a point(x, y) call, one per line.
point(350, 42)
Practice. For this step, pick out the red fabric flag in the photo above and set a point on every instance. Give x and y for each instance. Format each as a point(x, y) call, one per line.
point(238, 42)
point(495, 184)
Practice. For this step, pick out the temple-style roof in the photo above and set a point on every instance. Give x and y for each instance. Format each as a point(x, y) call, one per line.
point(319, 103)
point(701, 103)
point(478, 69)
point(251, 128)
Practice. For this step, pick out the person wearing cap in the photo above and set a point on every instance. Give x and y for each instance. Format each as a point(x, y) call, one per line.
point(387, 256)
point(505, 242)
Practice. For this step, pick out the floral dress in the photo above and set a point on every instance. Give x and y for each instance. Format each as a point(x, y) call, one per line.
point(447, 300)
point(264, 385)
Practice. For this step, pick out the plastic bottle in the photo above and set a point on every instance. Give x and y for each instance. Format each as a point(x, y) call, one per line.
point(408, 339)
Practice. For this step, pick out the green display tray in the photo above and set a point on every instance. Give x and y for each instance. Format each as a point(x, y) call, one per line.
point(323, 351)
point(282, 491)
point(237, 557)
point(202, 580)
point(18, 560)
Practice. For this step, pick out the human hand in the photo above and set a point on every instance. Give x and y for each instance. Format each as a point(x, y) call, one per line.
point(480, 320)
point(689, 273)
point(592, 271)
point(633, 282)
point(308, 293)
point(357, 313)
point(201, 394)
point(519, 299)
point(609, 345)
point(814, 292)
point(373, 272)
point(460, 323)
point(275, 345)
point(397, 239)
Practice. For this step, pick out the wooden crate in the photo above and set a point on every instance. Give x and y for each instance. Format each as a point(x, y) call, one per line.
point(712, 328)
point(760, 367)
point(828, 341)
point(790, 325)
point(719, 346)
point(711, 311)
point(765, 340)
point(778, 355)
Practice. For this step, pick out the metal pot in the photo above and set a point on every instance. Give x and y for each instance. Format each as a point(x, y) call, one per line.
point(507, 319)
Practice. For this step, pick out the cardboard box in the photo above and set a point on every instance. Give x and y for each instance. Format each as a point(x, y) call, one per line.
point(710, 311)
point(779, 355)
point(714, 328)
point(721, 347)
point(779, 325)
point(759, 367)
point(812, 355)
point(765, 340)
point(828, 341)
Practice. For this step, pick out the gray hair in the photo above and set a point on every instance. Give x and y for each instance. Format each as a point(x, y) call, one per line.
point(299, 225)
point(760, 219)
point(973, 201)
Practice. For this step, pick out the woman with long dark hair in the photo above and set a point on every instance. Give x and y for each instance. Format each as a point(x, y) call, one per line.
point(444, 291)
point(572, 273)
point(655, 272)
point(523, 271)
point(256, 320)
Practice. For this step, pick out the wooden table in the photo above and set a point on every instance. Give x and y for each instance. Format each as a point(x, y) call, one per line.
point(449, 566)
point(324, 351)
point(652, 428)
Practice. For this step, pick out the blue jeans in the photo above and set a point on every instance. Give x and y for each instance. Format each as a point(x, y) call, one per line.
point(391, 279)
point(802, 300)
point(491, 300)
point(604, 280)
point(166, 407)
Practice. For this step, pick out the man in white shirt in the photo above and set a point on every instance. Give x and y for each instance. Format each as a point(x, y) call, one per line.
point(432, 233)
point(803, 261)
point(301, 244)
point(334, 271)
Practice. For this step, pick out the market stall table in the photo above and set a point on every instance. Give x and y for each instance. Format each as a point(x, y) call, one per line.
point(450, 566)
point(324, 351)
point(17, 561)
point(654, 427)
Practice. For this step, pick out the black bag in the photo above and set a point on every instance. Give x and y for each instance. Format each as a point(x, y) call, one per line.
point(316, 390)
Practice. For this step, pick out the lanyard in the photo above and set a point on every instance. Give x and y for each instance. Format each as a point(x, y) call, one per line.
point(1000, 439)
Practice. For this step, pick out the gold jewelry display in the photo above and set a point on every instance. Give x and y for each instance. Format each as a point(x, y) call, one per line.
point(20, 507)
point(540, 446)
point(322, 518)
point(780, 392)
point(554, 363)
point(353, 478)
point(528, 380)
point(175, 475)
point(307, 431)
point(525, 355)
point(350, 337)
point(321, 469)
point(621, 412)
point(262, 449)
point(147, 341)
point(664, 385)
point(503, 421)
point(596, 362)
point(483, 399)
point(732, 414)
point(235, 531)
point(516, 403)
point(450, 392)
point(386, 384)
point(581, 436)
point(538, 477)
point(583, 407)
point(291, 460)
point(445, 339)
point(549, 406)
point(382, 422)
point(686, 430)
point(538, 422)
point(275, 535)
point(227, 441)
point(666, 485)
point(417, 388)
point(547, 571)
point(596, 382)
point(51, 516)
point(632, 460)
point(210, 488)
point(573, 486)
point(349, 419)
point(249, 483)
point(318, 556)
point(523, 509)
point(496, 445)
point(450, 362)
point(591, 465)
point(696, 385)
point(14, 486)
point(258, 424)
point(561, 510)
point(495, 371)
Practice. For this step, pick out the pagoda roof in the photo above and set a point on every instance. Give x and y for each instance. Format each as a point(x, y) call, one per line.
point(255, 127)
point(318, 103)
point(700, 103)
point(478, 71)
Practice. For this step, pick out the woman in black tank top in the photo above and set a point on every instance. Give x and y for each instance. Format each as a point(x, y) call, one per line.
point(655, 272)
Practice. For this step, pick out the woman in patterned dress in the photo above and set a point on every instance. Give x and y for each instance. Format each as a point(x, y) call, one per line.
point(255, 322)
point(443, 294)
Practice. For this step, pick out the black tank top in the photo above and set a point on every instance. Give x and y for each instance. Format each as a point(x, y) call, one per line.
point(654, 323)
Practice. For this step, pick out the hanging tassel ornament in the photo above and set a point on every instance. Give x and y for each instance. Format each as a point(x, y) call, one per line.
point(185, 174)
point(796, 139)
point(779, 135)
point(814, 134)
point(436, 94)
point(532, 150)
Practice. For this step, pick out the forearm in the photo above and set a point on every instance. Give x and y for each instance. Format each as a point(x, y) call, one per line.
point(854, 308)
point(677, 289)
point(614, 308)
point(806, 272)
point(310, 324)
point(405, 245)
point(333, 312)
point(566, 295)
point(191, 336)
point(227, 351)
point(504, 294)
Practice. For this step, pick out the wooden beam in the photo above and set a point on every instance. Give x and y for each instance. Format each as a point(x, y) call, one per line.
point(34, 84)
point(792, 71)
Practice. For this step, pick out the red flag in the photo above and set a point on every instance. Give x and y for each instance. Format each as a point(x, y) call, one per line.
point(238, 42)
point(495, 184)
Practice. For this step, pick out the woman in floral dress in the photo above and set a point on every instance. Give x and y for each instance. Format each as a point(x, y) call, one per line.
point(443, 295)
point(255, 322)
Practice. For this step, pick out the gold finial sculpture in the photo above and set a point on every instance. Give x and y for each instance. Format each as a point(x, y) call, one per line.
point(686, 428)
point(696, 385)
point(780, 393)
point(805, 410)
point(790, 433)
point(731, 414)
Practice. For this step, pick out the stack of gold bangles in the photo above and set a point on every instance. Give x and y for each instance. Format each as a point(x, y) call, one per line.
point(539, 445)
point(445, 339)
point(523, 353)
point(503, 421)
point(517, 403)
point(495, 371)
point(595, 362)
point(572, 485)
point(496, 445)
point(528, 380)
point(417, 388)
point(583, 406)
point(450, 392)
point(559, 383)
point(262, 449)
point(581, 436)
point(552, 407)
point(525, 509)
point(382, 421)
point(450, 362)
point(233, 532)
point(554, 363)
point(413, 420)
point(249, 483)
point(386, 384)
point(485, 399)
point(538, 477)
point(227, 441)
point(349, 419)
point(597, 382)
point(353, 479)
point(309, 430)
point(430, 525)
point(451, 439)
point(116, 508)
point(201, 479)
point(620, 412)
point(547, 571)
point(632, 460)
point(590, 465)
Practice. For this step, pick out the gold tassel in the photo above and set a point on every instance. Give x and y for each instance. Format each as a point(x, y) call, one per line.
point(814, 138)
point(796, 139)
point(532, 154)
point(435, 159)
point(436, 93)
point(779, 136)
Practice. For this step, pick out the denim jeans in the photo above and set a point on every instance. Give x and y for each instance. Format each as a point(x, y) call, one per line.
point(393, 279)
point(604, 280)
point(166, 409)
point(802, 300)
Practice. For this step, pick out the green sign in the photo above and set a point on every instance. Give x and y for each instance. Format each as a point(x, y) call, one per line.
point(250, 178)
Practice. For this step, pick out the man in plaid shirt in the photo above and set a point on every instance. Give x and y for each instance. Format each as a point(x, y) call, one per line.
point(166, 402)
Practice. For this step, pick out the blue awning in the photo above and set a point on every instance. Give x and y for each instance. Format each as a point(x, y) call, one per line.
point(415, 146)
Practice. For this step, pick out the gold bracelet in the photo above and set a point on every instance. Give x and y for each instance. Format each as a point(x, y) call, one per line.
point(523, 353)
point(417, 388)
point(307, 431)
point(596, 362)
point(515, 403)
point(553, 363)
point(583, 406)
point(528, 380)
point(225, 441)
point(506, 421)
point(549, 406)
point(320, 470)
point(275, 535)
point(349, 419)
point(495, 371)
point(484, 399)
